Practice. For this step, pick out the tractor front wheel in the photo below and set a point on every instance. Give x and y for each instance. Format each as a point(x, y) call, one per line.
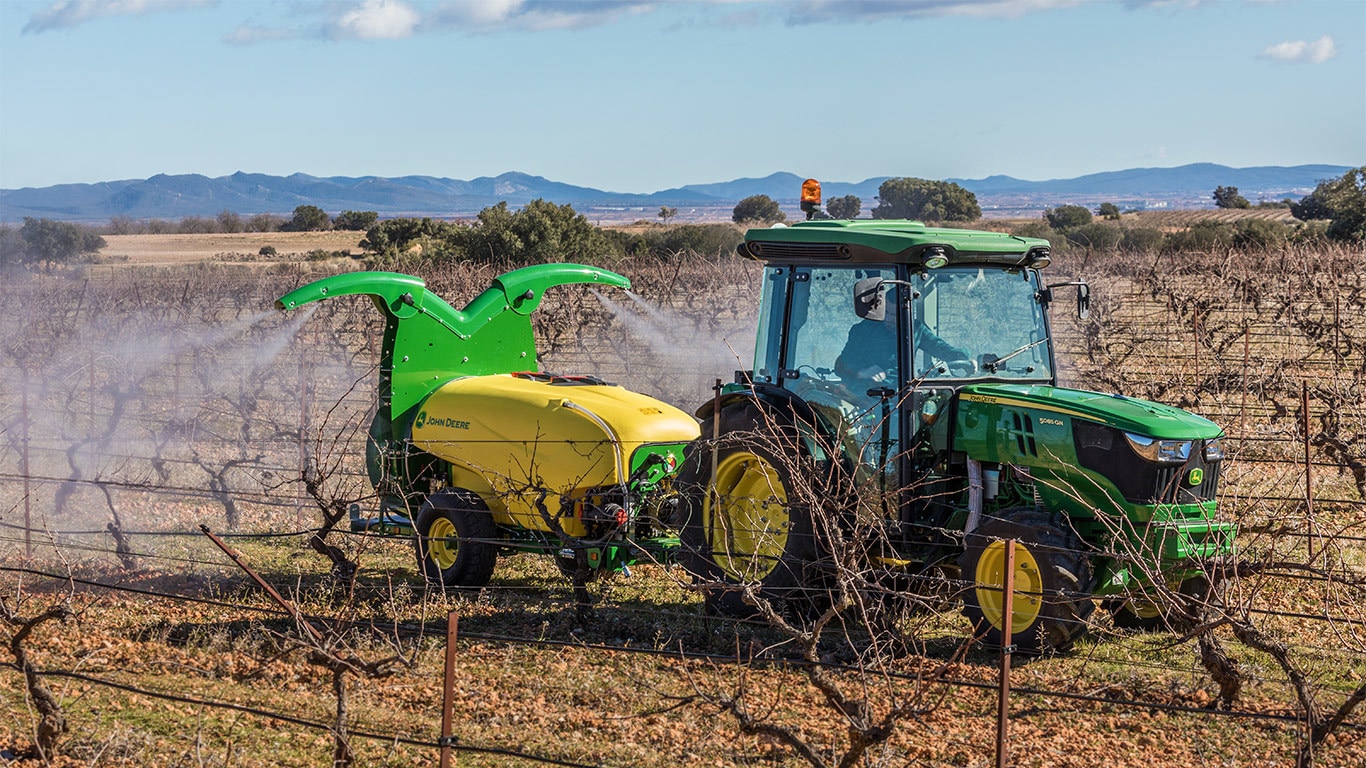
point(1165, 610)
point(747, 497)
point(456, 540)
point(1051, 599)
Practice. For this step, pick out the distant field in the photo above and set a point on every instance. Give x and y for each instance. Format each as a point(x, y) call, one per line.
point(1183, 219)
point(165, 250)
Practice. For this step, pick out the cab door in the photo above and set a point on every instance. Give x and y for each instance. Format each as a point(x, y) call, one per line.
point(841, 348)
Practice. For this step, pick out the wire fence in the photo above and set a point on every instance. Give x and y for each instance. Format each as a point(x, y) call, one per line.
point(219, 420)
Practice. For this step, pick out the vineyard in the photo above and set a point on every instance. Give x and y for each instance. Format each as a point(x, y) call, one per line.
point(1180, 219)
point(140, 404)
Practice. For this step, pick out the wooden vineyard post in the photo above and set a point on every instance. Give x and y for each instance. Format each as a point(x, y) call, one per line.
point(448, 693)
point(1196, 348)
point(1247, 357)
point(23, 456)
point(303, 441)
point(1007, 614)
point(1308, 470)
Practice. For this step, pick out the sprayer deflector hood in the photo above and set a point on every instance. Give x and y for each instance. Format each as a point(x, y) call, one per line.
point(427, 342)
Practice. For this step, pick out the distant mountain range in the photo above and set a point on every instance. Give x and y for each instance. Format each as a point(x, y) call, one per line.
point(175, 197)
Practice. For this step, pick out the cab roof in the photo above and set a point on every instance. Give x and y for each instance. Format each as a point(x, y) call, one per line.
point(884, 240)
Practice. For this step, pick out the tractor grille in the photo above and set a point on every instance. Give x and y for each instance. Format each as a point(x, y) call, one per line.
point(1173, 486)
point(1104, 450)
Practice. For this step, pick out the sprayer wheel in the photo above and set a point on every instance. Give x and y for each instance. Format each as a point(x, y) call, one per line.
point(456, 540)
point(1051, 601)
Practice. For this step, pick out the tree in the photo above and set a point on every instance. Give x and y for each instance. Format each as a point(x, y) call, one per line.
point(57, 242)
point(666, 213)
point(1343, 200)
point(12, 248)
point(397, 235)
point(760, 208)
point(540, 232)
point(264, 222)
point(1228, 197)
point(355, 221)
point(911, 198)
point(846, 207)
point(308, 218)
point(1095, 235)
point(230, 222)
point(197, 225)
point(1108, 211)
point(1066, 217)
point(122, 225)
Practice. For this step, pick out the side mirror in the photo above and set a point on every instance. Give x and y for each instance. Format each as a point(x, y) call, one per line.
point(1045, 295)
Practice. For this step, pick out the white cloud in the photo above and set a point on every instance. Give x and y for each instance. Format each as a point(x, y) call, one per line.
point(1167, 3)
point(376, 20)
point(813, 11)
point(494, 15)
point(479, 13)
point(1301, 52)
point(250, 34)
point(69, 13)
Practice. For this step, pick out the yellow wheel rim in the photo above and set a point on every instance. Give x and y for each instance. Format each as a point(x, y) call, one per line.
point(1143, 609)
point(1028, 592)
point(746, 516)
point(441, 544)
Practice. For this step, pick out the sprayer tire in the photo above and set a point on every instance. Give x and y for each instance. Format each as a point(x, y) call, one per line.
point(751, 526)
point(1052, 597)
point(456, 540)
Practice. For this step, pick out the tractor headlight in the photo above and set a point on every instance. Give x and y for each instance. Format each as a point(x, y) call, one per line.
point(1214, 449)
point(1160, 451)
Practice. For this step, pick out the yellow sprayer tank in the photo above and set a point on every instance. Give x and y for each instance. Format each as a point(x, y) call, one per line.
point(524, 441)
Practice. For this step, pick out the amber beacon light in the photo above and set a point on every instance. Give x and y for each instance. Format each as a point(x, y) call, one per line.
point(811, 197)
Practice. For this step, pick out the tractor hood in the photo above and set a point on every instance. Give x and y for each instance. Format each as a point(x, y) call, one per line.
point(1140, 417)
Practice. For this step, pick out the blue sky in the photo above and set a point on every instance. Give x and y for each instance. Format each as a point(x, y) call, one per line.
point(634, 96)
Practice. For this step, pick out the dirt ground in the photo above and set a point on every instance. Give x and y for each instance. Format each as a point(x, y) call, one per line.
point(166, 250)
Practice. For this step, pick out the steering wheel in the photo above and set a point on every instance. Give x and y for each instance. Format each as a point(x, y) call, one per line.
point(961, 367)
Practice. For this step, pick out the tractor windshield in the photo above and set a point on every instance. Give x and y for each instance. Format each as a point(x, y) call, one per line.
point(978, 322)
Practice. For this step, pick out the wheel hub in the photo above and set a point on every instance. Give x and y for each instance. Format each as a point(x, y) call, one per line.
point(442, 546)
point(746, 517)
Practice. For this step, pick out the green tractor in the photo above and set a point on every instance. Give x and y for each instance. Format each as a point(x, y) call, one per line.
point(905, 383)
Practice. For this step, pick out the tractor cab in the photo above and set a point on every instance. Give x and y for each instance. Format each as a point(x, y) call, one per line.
point(878, 329)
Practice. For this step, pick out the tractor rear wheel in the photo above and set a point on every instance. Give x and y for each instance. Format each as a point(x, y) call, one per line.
point(749, 525)
point(456, 540)
point(1051, 600)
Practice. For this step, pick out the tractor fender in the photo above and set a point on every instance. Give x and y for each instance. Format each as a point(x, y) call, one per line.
point(776, 401)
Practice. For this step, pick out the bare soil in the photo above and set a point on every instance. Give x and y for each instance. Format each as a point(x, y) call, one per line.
point(168, 250)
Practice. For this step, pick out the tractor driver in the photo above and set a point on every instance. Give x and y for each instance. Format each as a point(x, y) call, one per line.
point(871, 349)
